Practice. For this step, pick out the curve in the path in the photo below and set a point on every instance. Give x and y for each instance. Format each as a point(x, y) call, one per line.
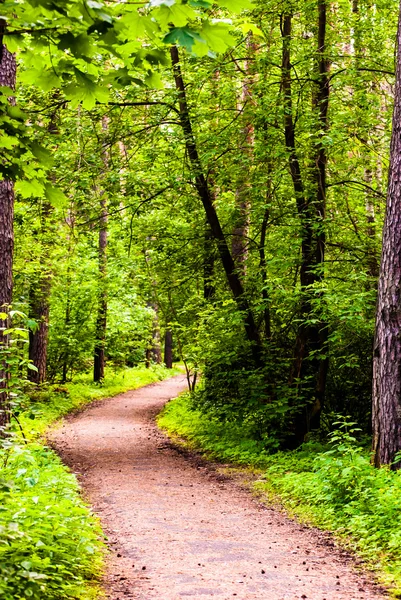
point(176, 531)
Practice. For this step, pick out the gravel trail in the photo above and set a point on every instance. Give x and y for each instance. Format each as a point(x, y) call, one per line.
point(177, 529)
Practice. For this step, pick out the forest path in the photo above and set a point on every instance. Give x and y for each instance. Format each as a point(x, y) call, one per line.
point(178, 529)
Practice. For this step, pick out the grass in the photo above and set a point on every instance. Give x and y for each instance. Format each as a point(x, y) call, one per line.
point(51, 545)
point(333, 487)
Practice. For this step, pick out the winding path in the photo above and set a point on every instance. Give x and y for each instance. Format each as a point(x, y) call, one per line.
point(178, 529)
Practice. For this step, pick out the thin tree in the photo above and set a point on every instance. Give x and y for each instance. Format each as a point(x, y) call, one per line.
point(101, 320)
point(386, 406)
point(8, 70)
point(310, 363)
point(206, 196)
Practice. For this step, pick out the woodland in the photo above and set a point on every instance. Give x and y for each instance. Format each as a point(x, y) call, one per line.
point(205, 183)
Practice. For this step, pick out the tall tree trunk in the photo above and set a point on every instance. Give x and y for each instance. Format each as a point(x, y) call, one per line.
point(39, 300)
point(386, 406)
point(101, 320)
point(310, 356)
point(206, 197)
point(39, 310)
point(357, 51)
point(168, 348)
point(239, 246)
point(156, 351)
point(8, 70)
point(39, 305)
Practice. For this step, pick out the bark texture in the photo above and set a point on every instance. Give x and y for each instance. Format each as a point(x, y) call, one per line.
point(168, 348)
point(39, 310)
point(243, 192)
point(8, 70)
point(387, 346)
point(101, 321)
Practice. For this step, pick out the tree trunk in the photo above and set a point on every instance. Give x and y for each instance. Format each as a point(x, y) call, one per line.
point(239, 246)
point(206, 197)
point(39, 310)
point(101, 321)
point(8, 70)
point(156, 351)
point(310, 363)
point(386, 408)
point(168, 348)
point(39, 305)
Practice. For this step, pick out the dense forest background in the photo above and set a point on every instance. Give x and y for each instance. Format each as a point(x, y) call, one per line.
point(205, 183)
point(246, 186)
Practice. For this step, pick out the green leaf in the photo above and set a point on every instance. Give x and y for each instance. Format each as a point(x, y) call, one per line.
point(153, 80)
point(29, 189)
point(55, 196)
point(42, 154)
point(183, 36)
point(236, 6)
point(217, 35)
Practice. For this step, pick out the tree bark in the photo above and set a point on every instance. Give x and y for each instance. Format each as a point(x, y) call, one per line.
point(206, 197)
point(156, 351)
point(101, 321)
point(8, 70)
point(39, 310)
point(168, 348)
point(239, 246)
point(386, 405)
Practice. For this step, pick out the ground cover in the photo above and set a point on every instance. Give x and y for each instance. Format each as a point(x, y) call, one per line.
point(51, 545)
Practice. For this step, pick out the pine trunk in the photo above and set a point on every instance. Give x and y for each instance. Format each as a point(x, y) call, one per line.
point(386, 408)
point(168, 348)
point(39, 310)
point(101, 321)
point(8, 69)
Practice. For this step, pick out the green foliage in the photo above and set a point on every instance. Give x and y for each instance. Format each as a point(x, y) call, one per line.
point(226, 441)
point(49, 542)
point(334, 487)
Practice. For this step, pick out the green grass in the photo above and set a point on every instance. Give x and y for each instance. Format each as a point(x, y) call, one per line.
point(51, 545)
point(332, 487)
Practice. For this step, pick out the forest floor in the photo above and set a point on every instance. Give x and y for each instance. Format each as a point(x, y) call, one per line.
point(179, 527)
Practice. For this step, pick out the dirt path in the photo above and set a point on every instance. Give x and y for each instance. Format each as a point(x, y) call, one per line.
point(178, 530)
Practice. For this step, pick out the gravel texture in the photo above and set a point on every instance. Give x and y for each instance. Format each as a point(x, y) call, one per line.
point(178, 529)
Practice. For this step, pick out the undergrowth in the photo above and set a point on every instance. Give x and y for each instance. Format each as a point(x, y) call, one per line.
point(333, 487)
point(51, 546)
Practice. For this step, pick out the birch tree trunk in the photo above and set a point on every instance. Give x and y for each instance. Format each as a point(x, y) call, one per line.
point(386, 406)
point(239, 246)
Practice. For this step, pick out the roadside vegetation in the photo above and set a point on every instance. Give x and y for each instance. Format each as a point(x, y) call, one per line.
point(51, 545)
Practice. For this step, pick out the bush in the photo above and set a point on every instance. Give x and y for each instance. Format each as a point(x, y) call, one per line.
point(49, 541)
